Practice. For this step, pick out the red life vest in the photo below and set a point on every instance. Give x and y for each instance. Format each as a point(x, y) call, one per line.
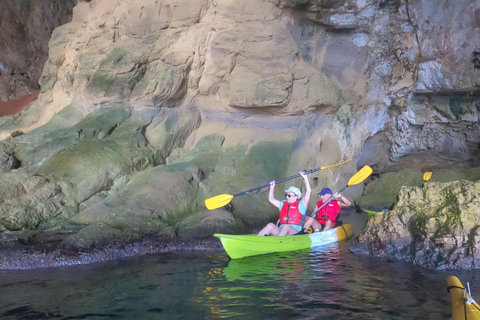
point(329, 212)
point(290, 214)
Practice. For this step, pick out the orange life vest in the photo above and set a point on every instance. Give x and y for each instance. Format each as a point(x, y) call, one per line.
point(329, 212)
point(290, 214)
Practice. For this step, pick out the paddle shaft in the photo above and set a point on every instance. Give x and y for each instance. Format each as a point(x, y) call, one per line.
point(278, 181)
point(224, 199)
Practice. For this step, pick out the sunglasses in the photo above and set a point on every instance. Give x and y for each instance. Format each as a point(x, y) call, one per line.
point(288, 195)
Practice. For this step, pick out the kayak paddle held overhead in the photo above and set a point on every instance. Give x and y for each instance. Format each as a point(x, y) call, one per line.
point(224, 199)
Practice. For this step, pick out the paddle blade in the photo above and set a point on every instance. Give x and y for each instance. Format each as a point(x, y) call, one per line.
point(335, 165)
point(218, 201)
point(361, 175)
point(427, 176)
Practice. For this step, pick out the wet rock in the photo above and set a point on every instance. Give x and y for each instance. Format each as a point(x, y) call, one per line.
point(435, 226)
point(383, 191)
point(19, 257)
point(93, 235)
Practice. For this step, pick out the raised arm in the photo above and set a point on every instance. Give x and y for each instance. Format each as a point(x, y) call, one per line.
point(308, 189)
point(342, 201)
point(271, 198)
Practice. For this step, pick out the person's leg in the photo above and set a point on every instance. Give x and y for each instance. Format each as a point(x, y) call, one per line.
point(270, 229)
point(308, 223)
point(328, 225)
point(316, 225)
point(287, 230)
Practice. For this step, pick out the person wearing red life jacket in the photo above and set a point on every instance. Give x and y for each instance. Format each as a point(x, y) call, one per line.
point(292, 210)
point(327, 216)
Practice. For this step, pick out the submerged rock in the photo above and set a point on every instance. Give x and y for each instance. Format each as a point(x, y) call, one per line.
point(434, 226)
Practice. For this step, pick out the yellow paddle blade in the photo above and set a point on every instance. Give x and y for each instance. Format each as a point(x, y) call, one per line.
point(427, 176)
point(336, 165)
point(361, 175)
point(218, 201)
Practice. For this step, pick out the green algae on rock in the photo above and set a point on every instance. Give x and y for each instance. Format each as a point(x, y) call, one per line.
point(435, 226)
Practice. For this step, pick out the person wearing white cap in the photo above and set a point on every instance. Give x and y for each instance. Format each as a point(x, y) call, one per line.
point(292, 210)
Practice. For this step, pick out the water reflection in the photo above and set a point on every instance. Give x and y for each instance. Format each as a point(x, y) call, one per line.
point(266, 268)
point(328, 282)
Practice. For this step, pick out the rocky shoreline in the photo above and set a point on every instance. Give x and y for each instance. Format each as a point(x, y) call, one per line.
point(17, 256)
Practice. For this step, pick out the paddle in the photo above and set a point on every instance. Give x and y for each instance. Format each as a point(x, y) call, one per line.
point(370, 212)
point(358, 177)
point(427, 176)
point(224, 199)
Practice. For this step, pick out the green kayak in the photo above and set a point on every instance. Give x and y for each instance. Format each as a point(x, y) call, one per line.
point(239, 246)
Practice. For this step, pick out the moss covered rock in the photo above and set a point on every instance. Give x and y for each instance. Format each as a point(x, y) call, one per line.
point(382, 192)
point(435, 226)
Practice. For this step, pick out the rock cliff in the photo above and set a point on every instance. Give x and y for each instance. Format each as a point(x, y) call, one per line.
point(26, 28)
point(434, 226)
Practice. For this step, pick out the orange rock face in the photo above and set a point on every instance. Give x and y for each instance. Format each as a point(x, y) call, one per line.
point(8, 108)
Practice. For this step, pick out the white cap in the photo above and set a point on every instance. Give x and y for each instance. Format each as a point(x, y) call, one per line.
point(296, 191)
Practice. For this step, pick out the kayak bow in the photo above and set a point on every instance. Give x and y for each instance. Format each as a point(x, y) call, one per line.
point(463, 305)
point(239, 246)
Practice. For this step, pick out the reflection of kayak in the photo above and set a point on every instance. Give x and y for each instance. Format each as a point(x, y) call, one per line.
point(239, 246)
point(263, 268)
point(282, 266)
point(463, 305)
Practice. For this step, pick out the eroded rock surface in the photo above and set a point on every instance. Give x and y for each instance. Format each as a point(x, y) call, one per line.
point(382, 193)
point(26, 29)
point(434, 226)
point(173, 102)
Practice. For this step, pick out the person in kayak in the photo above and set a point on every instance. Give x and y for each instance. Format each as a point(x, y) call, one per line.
point(326, 218)
point(292, 210)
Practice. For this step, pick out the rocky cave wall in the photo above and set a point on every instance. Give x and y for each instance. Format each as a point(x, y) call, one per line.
point(26, 28)
point(208, 97)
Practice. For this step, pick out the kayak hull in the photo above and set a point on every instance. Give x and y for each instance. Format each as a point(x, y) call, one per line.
point(463, 305)
point(239, 246)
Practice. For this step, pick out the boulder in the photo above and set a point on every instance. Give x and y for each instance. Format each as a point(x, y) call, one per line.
point(382, 192)
point(434, 226)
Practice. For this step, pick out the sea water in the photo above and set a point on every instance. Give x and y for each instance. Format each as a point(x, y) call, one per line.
point(329, 282)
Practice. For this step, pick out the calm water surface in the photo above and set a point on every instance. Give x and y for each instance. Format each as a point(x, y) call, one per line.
point(329, 283)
